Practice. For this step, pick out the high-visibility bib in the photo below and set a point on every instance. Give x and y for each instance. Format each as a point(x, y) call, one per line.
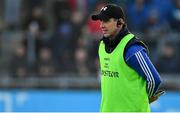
point(122, 88)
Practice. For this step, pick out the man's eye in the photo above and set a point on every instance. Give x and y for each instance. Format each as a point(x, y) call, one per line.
point(105, 20)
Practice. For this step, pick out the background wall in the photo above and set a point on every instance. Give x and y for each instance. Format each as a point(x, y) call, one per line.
point(70, 101)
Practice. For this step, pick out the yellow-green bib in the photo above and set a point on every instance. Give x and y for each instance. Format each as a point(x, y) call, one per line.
point(122, 89)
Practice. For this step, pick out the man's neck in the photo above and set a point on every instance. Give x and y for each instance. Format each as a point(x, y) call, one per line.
point(116, 33)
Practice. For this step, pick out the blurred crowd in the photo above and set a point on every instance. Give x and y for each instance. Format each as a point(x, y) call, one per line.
point(48, 38)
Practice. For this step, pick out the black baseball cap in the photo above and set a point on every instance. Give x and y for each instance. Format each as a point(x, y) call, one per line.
point(109, 11)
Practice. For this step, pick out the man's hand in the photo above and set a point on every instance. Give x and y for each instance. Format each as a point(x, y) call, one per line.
point(156, 96)
point(153, 98)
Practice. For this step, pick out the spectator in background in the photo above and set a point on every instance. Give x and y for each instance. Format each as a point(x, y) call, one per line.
point(137, 13)
point(68, 31)
point(154, 26)
point(61, 11)
point(77, 21)
point(36, 16)
point(81, 58)
point(89, 41)
point(60, 42)
point(19, 66)
point(60, 46)
point(79, 5)
point(164, 7)
point(175, 16)
point(35, 26)
point(168, 61)
point(32, 44)
point(46, 66)
point(66, 63)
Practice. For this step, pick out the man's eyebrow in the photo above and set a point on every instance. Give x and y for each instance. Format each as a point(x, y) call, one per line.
point(105, 20)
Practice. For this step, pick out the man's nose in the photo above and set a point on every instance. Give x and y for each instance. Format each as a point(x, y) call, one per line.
point(101, 25)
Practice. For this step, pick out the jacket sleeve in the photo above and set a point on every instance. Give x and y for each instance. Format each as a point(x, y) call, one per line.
point(136, 57)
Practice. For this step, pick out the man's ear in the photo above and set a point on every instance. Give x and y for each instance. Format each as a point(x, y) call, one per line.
point(120, 22)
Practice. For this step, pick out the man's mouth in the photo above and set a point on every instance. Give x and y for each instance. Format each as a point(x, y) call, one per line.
point(104, 31)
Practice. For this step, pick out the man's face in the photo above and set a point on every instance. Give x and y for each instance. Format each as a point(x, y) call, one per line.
point(109, 27)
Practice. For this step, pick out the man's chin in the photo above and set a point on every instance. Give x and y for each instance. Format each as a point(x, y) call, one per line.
point(106, 35)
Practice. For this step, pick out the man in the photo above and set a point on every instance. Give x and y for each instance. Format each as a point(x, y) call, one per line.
point(129, 81)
